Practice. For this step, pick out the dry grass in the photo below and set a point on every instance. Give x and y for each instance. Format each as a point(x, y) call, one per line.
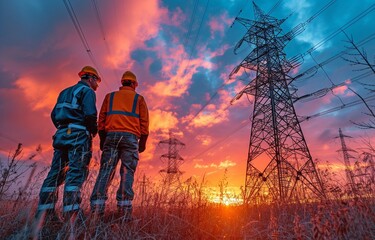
point(183, 211)
point(330, 220)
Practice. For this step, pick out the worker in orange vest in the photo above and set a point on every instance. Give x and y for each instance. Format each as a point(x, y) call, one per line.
point(123, 131)
point(75, 117)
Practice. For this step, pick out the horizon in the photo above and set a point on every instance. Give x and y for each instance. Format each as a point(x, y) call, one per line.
point(182, 55)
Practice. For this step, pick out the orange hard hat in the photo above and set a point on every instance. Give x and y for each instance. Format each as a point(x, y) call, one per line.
point(89, 71)
point(129, 76)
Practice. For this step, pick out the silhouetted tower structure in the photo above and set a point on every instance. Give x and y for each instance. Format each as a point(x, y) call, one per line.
point(172, 173)
point(348, 168)
point(279, 164)
point(143, 189)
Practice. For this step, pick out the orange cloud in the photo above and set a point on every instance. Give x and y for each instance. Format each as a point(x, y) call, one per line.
point(340, 90)
point(178, 68)
point(141, 22)
point(212, 114)
point(204, 139)
point(179, 74)
point(32, 91)
point(226, 164)
point(221, 165)
point(162, 120)
point(208, 119)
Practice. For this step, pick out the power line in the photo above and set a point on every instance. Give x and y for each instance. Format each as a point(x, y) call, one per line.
point(275, 6)
point(97, 12)
point(296, 59)
point(327, 76)
point(216, 92)
point(301, 119)
point(81, 35)
point(221, 86)
point(192, 18)
point(331, 110)
point(322, 92)
point(318, 66)
point(196, 37)
point(345, 26)
point(101, 26)
point(334, 57)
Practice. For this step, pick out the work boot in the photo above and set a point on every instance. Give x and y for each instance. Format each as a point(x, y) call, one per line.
point(125, 213)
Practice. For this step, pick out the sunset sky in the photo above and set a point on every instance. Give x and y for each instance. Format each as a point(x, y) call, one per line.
point(182, 54)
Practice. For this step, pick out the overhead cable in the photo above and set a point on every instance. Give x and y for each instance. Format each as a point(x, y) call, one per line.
point(81, 35)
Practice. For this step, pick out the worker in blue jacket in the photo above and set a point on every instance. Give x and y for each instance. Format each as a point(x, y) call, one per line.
point(75, 117)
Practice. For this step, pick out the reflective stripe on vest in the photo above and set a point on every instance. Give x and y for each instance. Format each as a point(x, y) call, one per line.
point(73, 104)
point(131, 114)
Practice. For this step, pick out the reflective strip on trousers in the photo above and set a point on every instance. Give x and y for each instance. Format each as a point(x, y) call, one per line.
point(124, 203)
point(48, 189)
point(71, 188)
point(42, 207)
point(71, 207)
point(98, 202)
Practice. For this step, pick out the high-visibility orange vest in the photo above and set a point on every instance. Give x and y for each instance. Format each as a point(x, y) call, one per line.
point(124, 111)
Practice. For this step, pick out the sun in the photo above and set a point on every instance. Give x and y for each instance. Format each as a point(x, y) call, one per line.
point(225, 200)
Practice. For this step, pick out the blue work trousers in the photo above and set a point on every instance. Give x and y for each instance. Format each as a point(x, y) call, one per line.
point(118, 145)
point(72, 154)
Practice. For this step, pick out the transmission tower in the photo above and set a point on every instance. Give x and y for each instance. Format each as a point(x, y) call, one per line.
point(279, 164)
point(143, 189)
point(172, 173)
point(348, 168)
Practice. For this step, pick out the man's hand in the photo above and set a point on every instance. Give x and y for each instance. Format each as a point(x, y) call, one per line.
point(102, 136)
point(91, 125)
point(142, 143)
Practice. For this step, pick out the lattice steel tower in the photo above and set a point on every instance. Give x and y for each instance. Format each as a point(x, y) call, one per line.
point(172, 173)
point(279, 164)
point(348, 168)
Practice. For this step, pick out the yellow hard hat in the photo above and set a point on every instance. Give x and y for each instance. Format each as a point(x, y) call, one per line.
point(90, 71)
point(129, 76)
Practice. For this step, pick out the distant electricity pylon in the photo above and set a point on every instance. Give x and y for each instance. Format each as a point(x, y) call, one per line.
point(348, 168)
point(279, 164)
point(143, 184)
point(172, 173)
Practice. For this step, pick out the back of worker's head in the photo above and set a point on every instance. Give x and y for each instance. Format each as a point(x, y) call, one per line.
point(88, 71)
point(129, 78)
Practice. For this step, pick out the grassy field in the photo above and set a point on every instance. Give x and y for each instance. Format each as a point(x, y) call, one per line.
point(185, 211)
point(339, 219)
